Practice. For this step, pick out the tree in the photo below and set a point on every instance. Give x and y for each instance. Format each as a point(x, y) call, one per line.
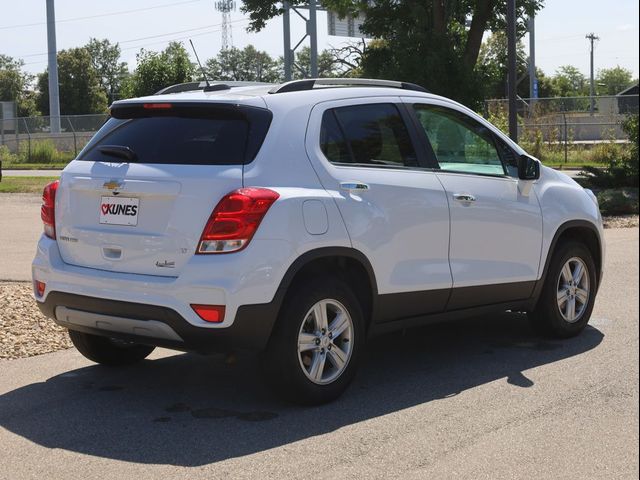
point(570, 82)
point(249, 64)
point(611, 81)
point(493, 66)
point(421, 41)
point(157, 70)
point(79, 85)
point(105, 58)
point(347, 59)
point(302, 68)
point(14, 84)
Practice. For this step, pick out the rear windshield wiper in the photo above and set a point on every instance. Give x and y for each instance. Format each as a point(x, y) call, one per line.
point(119, 151)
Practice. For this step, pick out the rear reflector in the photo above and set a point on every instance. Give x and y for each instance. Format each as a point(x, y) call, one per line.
point(210, 313)
point(235, 220)
point(39, 287)
point(48, 209)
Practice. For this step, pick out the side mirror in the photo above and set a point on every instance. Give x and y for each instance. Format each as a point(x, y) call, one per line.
point(528, 168)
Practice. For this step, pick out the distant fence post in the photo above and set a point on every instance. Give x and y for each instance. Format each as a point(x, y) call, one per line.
point(75, 140)
point(566, 138)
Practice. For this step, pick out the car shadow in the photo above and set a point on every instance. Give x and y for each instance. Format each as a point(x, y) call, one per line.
point(189, 410)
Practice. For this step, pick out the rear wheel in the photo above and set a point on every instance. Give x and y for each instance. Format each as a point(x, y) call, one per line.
point(568, 295)
point(313, 353)
point(109, 351)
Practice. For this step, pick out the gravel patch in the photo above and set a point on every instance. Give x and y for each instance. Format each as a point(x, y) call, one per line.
point(24, 331)
point(625, 221)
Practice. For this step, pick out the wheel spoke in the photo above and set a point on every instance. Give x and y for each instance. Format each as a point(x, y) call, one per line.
point(578, 273)
point(571, 309)
point(320, 316)
point(563, 296)
point(582, 295)
point(566, 273)
point(337, 357)
point(306, 341)
point(339, 325)
point(317, 366)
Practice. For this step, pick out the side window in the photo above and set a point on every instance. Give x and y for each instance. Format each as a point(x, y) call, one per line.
point(367, 135)
point(460, 143)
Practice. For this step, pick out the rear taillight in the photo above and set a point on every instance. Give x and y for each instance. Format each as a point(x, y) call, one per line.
point(48, 209)
point(235, 220)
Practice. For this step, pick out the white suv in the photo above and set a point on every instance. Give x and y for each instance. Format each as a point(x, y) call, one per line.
point(299, 219)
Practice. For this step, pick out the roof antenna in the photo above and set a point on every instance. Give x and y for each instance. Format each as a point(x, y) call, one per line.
point(201, 68)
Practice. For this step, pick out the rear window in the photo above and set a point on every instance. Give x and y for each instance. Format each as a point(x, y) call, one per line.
point(180, 134)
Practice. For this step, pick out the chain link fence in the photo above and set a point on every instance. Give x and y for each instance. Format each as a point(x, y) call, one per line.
point(23, 135)
point(569, 119)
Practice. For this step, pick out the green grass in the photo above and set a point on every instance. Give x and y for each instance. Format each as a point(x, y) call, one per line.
point(34, 166)
point(24, 184)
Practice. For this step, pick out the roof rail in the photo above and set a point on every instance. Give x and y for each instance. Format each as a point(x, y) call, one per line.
point(310, 83)
point(214, 86)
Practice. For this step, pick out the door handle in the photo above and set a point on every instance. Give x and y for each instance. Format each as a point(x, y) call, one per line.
point(354, 186)
point(464, 197)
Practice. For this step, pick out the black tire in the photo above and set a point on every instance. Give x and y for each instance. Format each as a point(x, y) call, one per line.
point(547, 317)
point(282, 364)
point(107, 351)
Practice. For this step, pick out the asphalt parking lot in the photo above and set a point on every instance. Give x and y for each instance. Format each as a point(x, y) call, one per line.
point(484, 398)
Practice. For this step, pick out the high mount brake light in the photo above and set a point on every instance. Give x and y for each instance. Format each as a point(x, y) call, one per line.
point(47, 211)
point(157, 106)
point(235, 220)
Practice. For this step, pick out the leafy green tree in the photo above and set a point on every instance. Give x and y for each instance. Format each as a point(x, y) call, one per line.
point(493, 66)
point(421, 41)
point(79, 85)
point(157, 70)
point(327, 65)
point(611, 81)
point(248, 64)
point(14, 85)
point(105, 58)
point(570, 82)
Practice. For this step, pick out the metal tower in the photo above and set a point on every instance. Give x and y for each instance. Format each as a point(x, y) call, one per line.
point(226, 7)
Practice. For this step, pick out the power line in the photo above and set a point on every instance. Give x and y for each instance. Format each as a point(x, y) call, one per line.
point(132, 40)
point(122, 12)
point(135, 47)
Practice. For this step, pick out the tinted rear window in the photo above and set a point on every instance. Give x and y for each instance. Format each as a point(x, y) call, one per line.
point(183, 135)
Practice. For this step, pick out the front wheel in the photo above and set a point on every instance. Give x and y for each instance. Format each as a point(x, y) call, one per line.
point(568, 294)
point(109, 351)
point(313, 353)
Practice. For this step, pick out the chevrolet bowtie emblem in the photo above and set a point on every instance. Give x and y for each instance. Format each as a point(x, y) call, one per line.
point(112, 185)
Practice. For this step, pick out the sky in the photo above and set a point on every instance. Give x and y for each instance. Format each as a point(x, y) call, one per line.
point(561, 27)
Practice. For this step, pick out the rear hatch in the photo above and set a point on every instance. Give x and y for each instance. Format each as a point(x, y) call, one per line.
point(139, 194)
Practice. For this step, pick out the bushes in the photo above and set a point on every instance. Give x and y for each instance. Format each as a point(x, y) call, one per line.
point(622, 168)
point(39, 151)
point(623, 201)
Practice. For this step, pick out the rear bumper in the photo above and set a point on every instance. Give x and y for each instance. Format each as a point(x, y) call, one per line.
point(159, 326)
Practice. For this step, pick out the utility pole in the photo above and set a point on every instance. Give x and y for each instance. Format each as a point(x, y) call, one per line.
point(511, 49)
point(311, 32)
point(54, 95)
point(286, 25)
point(533, 81)
point(592, 90)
